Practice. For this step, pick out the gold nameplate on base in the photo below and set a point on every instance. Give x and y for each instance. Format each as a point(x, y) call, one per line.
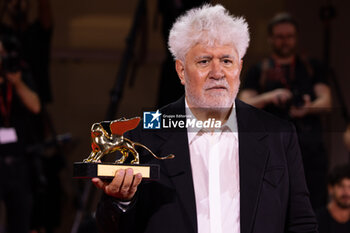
point(108, 170)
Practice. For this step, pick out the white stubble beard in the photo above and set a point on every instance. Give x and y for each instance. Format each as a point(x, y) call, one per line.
point(215, 102)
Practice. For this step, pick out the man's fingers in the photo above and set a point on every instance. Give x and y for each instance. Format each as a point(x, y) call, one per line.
point(114, 187)
point(137, 180)
point(306, 98)
point(123, 185)
point(98, 183)
point(129, 176)
point(280, 96)
point(285, 95)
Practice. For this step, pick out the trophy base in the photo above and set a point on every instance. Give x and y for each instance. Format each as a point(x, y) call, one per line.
point(83, 170)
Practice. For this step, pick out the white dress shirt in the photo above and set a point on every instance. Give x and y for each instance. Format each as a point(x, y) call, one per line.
point(215, 169)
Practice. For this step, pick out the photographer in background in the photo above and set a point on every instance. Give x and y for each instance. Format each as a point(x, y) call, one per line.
point(18, 104)
point(295, 88)
point(34, 36)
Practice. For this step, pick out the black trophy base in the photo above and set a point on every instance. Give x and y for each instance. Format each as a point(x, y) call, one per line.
point(107, 170)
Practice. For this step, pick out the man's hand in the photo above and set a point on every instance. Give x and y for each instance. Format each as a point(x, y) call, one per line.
point(28, 97)
point(15, 78)
point(299, 112)
point(279, 97)
point(123, 186)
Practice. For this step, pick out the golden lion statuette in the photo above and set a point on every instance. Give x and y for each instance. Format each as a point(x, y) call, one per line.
point(107, 137)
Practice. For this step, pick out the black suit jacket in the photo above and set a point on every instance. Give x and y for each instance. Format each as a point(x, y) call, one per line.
point(274, 196)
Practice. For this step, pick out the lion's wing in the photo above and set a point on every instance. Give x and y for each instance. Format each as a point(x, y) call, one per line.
point(119, 127)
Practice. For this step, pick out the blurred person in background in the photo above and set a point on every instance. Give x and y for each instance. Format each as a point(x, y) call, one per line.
point(295, 88)
point(35, 38)
point(18, 103)
point(335, 217)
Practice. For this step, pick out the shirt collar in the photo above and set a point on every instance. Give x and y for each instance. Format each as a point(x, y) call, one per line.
point(229, 126)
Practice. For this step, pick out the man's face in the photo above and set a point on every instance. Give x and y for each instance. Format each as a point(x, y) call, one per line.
point(210, 75)
point(341, 193)
point(283, 39)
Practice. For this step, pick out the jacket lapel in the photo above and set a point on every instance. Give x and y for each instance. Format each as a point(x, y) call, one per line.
point(253, 155)
point(179, 168)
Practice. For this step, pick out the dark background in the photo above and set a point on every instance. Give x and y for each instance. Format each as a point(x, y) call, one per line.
point(88, 41)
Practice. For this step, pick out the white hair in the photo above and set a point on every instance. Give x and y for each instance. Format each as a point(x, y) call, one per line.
point(209, 25)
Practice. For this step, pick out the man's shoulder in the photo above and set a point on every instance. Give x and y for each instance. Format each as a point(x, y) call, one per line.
point(269, 121)
point(177, 106)
point(310, 62)
point(251, 78)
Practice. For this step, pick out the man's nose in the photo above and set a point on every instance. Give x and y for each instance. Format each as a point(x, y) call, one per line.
point(216, 71)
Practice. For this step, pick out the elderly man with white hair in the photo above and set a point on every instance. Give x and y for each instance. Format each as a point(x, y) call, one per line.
point(244, 176)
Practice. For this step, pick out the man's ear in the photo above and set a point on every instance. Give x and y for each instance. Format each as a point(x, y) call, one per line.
point(180, 69)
